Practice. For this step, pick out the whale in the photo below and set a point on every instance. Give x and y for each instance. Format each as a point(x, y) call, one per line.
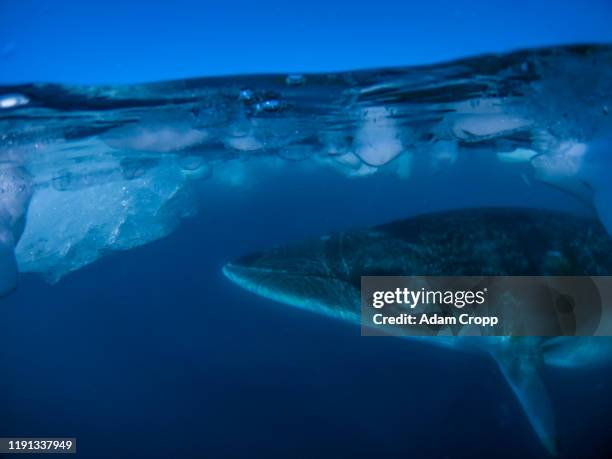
point(322, 274)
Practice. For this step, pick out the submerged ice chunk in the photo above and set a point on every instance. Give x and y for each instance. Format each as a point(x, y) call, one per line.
point(241, 137)
point(564, 162)
point(15, 192)
point(377, 139)
point(583, 170)
point(71, 228)
point(154, 137)
point(444, 153)
point(519, 155)
point(468, 127)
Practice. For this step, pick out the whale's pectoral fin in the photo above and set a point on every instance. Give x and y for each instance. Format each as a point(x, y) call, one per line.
point(522, 367)
point(8, 269)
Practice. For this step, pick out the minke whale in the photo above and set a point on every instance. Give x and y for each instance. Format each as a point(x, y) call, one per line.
point(323, 274)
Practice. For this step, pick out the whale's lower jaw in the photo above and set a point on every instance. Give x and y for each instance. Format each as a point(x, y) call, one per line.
point(265, 283)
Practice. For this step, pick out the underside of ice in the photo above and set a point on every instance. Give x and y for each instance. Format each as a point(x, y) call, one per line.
point(71, 226)
point(90, 170)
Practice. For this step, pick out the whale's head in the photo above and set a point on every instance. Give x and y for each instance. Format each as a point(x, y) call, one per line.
point(308, 275)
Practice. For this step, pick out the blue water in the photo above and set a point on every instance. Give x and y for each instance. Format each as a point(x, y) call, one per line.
point(150, 352)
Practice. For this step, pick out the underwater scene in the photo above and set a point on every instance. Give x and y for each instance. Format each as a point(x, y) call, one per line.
point(180, 261)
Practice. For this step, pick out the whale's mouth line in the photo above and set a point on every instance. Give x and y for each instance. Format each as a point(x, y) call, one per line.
point(228, 267)
point(300, 300)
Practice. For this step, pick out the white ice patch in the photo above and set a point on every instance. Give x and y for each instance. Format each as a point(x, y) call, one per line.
point(348, 160)
point(363, 171)
point(471, 126)
point(352, 166)
point(565, 161)
point(348, 164)
point(245, 142)
point(563, 168)
point(13, 101)
point(377, 139)
point(154, 138)
point(444, 153)
point(520, 155)
point(241, 137)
